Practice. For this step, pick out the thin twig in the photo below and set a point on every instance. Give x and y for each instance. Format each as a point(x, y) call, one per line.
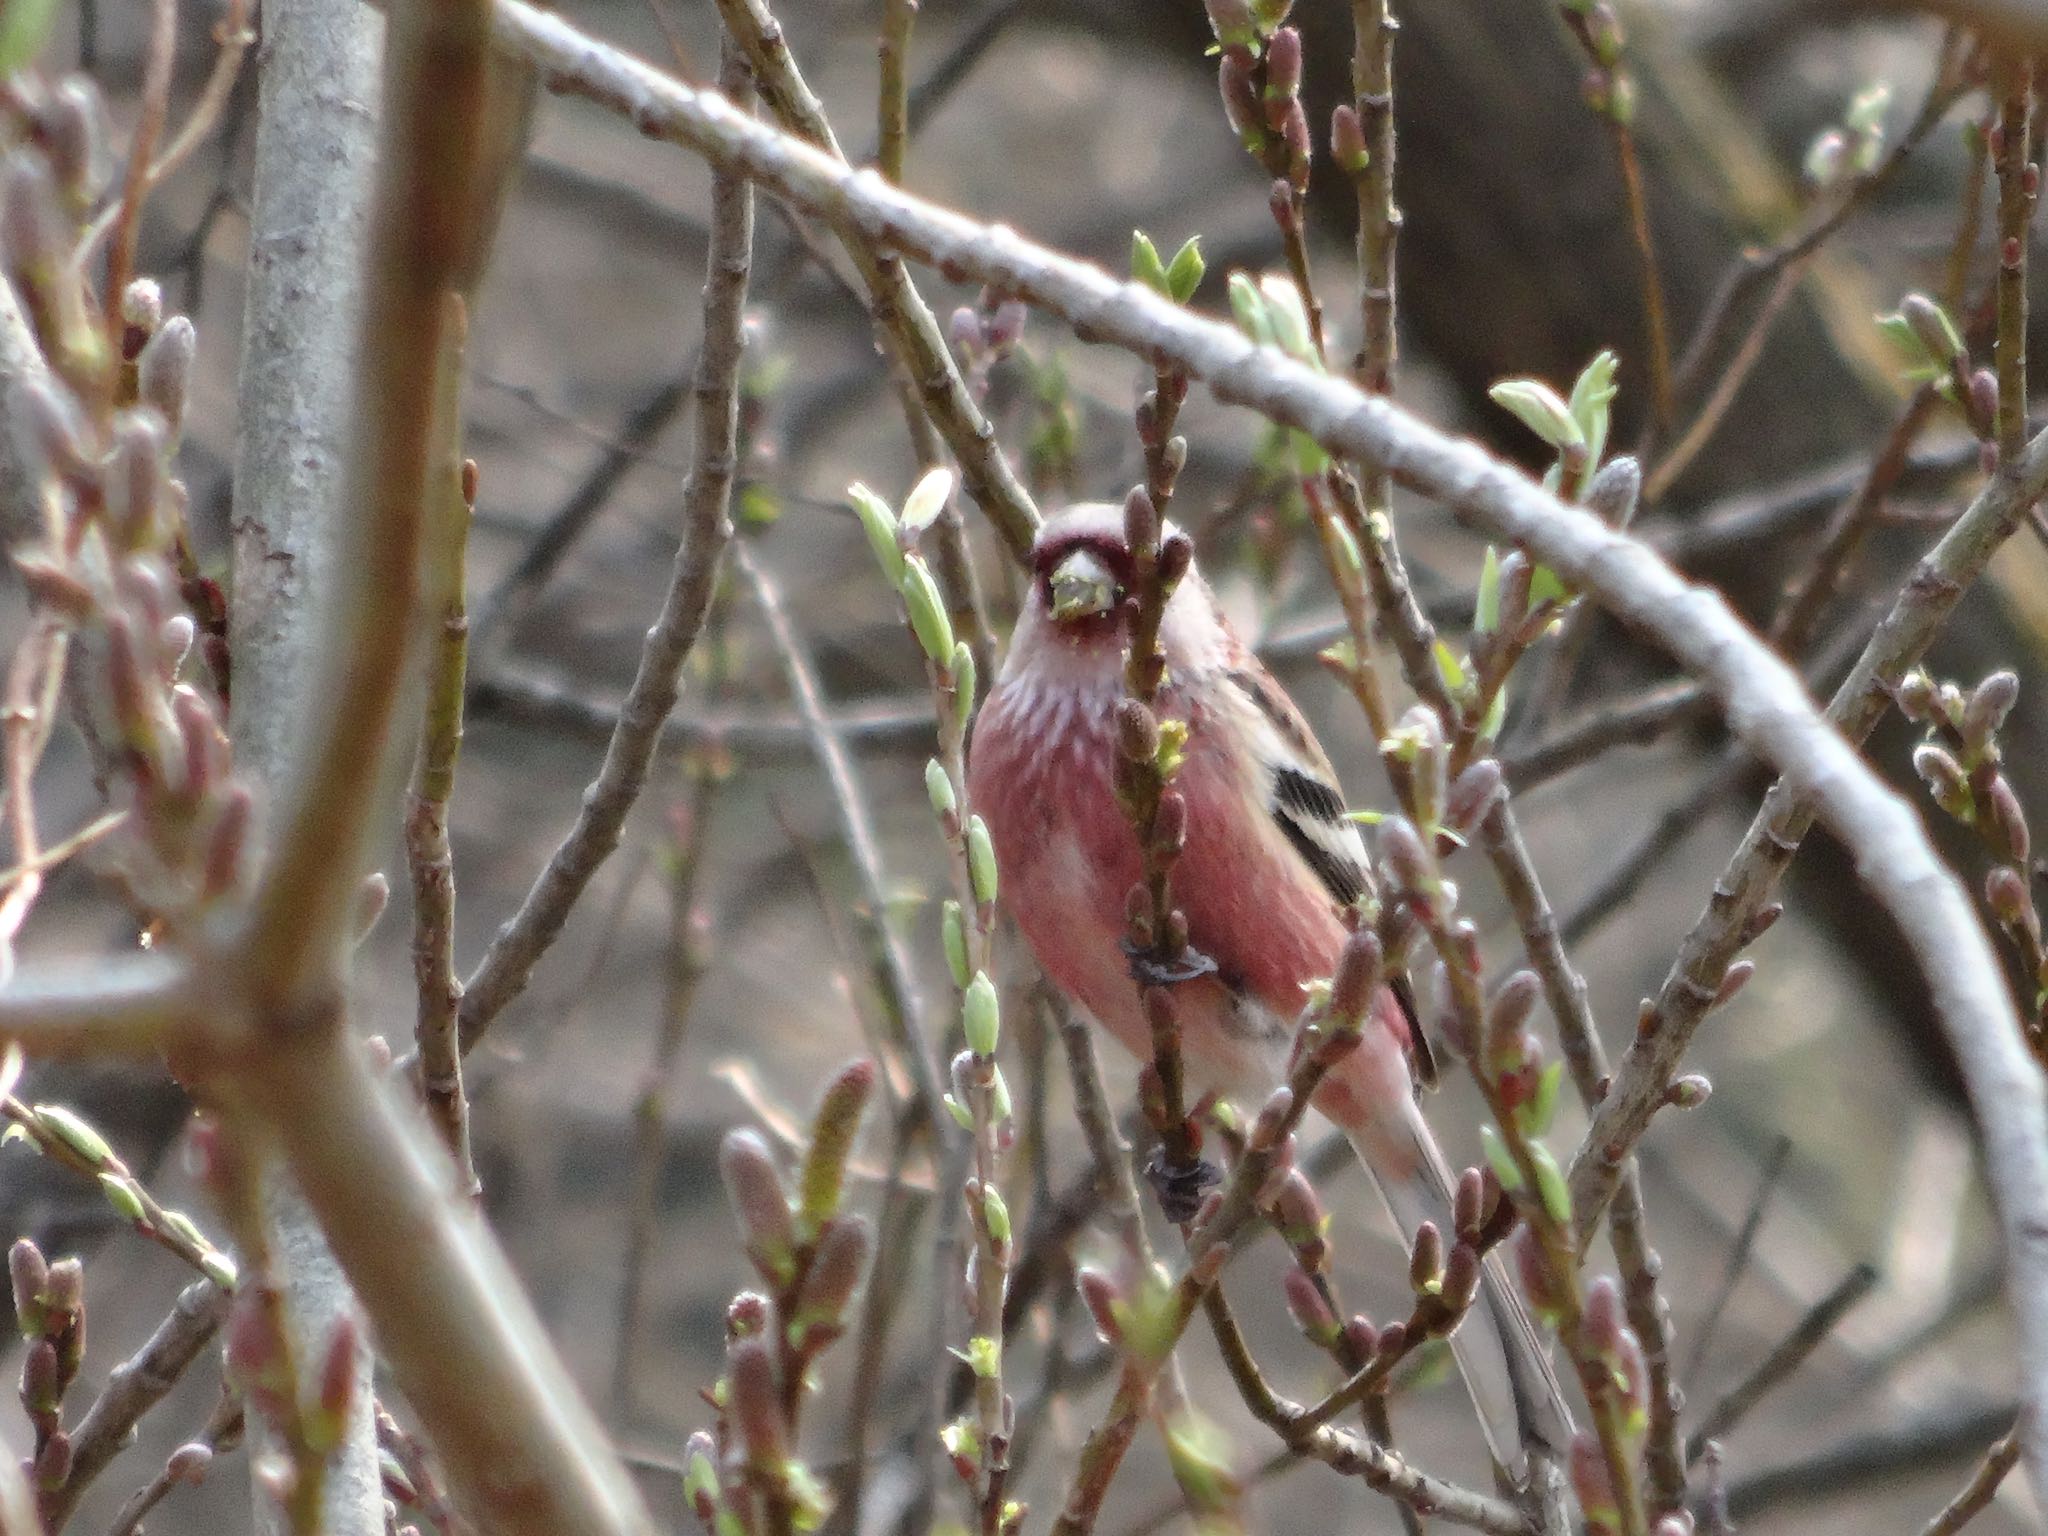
point(899, 976)
point(156, 103)
point(1787, 1356)
point(1738, 1253)
point(134, 1387)
point(507, 965)
point(429, 858)
point(1980, 1490)
point(901, 314)
point(232, 34)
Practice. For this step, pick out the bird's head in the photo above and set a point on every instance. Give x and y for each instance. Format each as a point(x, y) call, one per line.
point(1081, 570)
point(1081, 578)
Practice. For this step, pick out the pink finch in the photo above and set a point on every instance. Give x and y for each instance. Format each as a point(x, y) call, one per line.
point(1270, 860)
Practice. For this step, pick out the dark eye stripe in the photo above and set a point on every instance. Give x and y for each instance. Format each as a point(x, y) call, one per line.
point(1341, 877)
point(1298, 791)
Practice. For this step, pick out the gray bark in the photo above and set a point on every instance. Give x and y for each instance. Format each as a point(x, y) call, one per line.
point(316, 144)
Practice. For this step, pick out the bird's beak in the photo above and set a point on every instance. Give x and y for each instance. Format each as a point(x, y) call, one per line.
point(1082, 587)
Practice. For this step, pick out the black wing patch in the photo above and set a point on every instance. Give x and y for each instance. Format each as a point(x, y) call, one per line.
point(1341, 876)
point(1294, 790)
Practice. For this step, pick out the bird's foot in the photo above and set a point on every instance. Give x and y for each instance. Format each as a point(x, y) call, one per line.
point(1148, 969)
point(1180, 1186)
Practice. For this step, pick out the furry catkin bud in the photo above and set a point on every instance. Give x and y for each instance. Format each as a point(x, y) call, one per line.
point(1426, 1257)
point(1176, 554)
point(29, 1274)
point(1170, 826)
point(754, 1187)
point(1141, 521)
point(1305, 1304)
point(1594, 1485)
point(830, 1282)
point(1534, 1274)
point(1468, 1203)
point(188, 1463)
point(1984, 395)
point(53, 428)
point(1990, 702)
point(1241, 106)
point(1359, 967)
point(1513, 1005)
point(1460, 1282)
point(1409, 866)
point(75, 136)
point(336, 1387)
point(1601, 1319)
point(2005, 893)
point(1733, 981)
point(833, 1128)
point(163, 376)
point(1271, 1124)
point(1472, 795)
point(747, 1314)
point(1932, 328)
point(1297, 1213)
point(1943, 776)
point(1615, 492)
point(133, 478)
point(1231, 21)
point(1283, 66)
point(53, 1463)
point(2007, 829)
point(754, 1399)
point(1137, 731)
point(1347, 141)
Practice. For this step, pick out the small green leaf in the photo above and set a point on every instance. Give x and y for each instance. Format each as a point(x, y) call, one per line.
point(996, 1212)
point(1593, 394)
point(1249, 310)
point(964, 684)
point(1496, 715)
point(1537, 406)
point(1146, 266)
point(927, 610)
point(981, 860)
point(124, 1195)
point(1184, 273)
point(879, 523)
point(927, 499)
point(981, 1015)
point(75, 1133)
point(1557, 1195)
point(959, 1113)
point(1541, 1109)
point(1486, 606)
point(984, 1356)
point(938, 789)
point(1500, 1159)
point(1288, 317)
point(1450, 667)
point(24, 28)
point(953, 929)
point(1545, 586)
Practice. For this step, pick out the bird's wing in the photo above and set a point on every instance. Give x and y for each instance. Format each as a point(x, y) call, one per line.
point(1307, 804)
point(1303, 796)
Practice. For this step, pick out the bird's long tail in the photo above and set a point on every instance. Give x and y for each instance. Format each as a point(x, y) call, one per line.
point(1503, 1359)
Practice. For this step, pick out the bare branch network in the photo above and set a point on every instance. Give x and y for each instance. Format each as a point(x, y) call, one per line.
point(254, 1010)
